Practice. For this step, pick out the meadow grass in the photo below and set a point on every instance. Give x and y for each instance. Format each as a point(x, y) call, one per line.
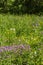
point(26, 29)
point(22, 29)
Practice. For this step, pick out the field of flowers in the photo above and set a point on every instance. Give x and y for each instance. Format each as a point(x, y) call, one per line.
point(21, 39)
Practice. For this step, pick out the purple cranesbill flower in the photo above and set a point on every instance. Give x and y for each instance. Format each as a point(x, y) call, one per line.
point(14, 48)
point(21, 46)
point(1, 50)
point(8, 48)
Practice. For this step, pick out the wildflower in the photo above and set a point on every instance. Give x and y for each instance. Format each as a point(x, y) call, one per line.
point(12, 29)
point(19, 40)
point(34, 38)
point(1, 50)
point(22, 46)
point(36, 24)
point(35, 52)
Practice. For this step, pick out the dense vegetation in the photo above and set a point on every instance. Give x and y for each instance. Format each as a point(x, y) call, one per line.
point(21, 6)
point(21, 36)
point(21, 30)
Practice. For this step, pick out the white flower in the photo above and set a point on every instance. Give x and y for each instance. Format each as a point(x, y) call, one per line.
point(12, 29)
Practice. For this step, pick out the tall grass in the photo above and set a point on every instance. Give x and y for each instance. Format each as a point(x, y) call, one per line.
point(26, 29)
point(22, 29)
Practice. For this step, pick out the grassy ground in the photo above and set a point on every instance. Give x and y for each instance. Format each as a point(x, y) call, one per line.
point(22, 29)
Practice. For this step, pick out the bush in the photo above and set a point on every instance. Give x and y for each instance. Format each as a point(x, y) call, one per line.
point(21, 6)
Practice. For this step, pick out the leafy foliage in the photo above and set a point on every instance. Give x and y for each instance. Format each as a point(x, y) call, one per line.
point(21, 6)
